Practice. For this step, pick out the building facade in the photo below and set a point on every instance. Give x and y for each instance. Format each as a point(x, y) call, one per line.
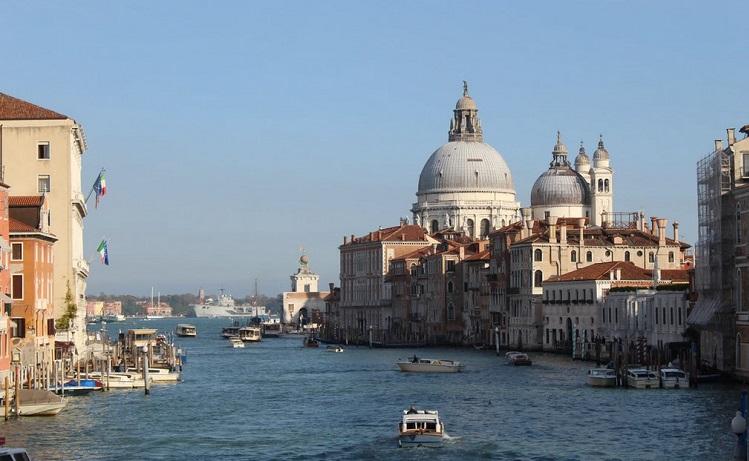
point(43, 151)
point(304, 302)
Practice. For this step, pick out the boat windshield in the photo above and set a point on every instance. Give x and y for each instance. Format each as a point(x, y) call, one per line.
point(674, 374)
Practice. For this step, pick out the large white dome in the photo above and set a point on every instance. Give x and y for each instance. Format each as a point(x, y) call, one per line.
point(465, 166)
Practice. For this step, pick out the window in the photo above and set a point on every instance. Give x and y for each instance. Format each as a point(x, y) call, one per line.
point(50, 327)
point(17, 287)
point(589, 256)
point(450, 312)
point(626, 256)
point(679, 311)
point(485, 228)
point(608, 253)
point(538, 278)
point(470, 227)
point(573, 256)
point(600, 185)
point(639, 253)
point(746, 163)
point(435, 227)
point(16, 253)
point(651, 257)
point(450, 266)
point(606, 185)
point(44, 183)
point(450, 287)
point(672, 316)
point(19, 331)
point(670, 256)
point(538, 255)
point(42, 151)
point(306, 288)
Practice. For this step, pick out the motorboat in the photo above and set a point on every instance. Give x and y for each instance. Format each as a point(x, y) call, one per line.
point(272, 327)
point(420, 428)
point(250, 334)
point(311, 341)
point(118, 380)
point(674, 378)
point(38, 402)
point(14, 454)
point(334, 349)
point(186, 331)
point(163, 375)
point(422, 365)
point(518, 358)
point(109, 318)
point(228, 332)
point(640, 378)
point(80, 387)
point(602, 377)
point(235, 342)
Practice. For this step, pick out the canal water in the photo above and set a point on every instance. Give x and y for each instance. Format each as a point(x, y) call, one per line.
point(277, 400)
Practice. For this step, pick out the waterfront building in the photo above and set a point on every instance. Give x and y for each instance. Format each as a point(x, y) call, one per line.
point(614, 300)
point(477, 325)
point(721, 314)
point(42, 151)
point(304, 302)
point(32, 279)
point(365, 297)
point(112, 308)
point(157, 309)
point(6, 326)
point(465, 185)
point(94, 309)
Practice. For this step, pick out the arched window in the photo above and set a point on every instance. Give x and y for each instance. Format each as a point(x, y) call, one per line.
point(739, 365)
point(503, 223)
point(450, 287)
point(538, 279)
point(469, 227)
point(626, 255)
point(573, 256)
point(670, 256)
point(450, 312)
point(606, 185)
point(589, 256)
point(600, 185)
point(651, 257)
point(435, 227)
point(538, 255)
point(485, 228)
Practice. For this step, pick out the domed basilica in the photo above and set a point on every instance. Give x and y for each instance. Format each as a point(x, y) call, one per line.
point(467, 186)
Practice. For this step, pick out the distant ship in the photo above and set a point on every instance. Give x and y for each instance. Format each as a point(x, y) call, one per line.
point(226, 307)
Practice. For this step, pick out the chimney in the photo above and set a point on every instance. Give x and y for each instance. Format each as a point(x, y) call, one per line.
point(718, 144)
point(581, 226)
point(641, 221)
point(345, 240)
point(552, 229)
point(662, 231)
point(352, 238)
point(403, 237)
point(461, 253)
point(731, 136)
point(653, 225)
point(618, 273)
point(611, 275)
point(676, 231)
point(527, 229)
point(563, 233)
point(331, 285)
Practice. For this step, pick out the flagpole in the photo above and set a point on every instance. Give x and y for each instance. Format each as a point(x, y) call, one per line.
point(93, 186)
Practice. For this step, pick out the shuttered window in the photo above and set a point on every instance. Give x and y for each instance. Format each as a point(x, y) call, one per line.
point(17, 286)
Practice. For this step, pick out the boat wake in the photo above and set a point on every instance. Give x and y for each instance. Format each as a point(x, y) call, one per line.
point(448, 438)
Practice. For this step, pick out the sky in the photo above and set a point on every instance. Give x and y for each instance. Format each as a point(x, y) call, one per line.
point(235, 133)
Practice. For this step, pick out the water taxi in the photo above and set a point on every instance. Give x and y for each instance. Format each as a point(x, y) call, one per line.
point(334, 349)
point(187, 331)
point(38, 402)
point(228, 332)
point(640, 378)
point(420, 428)
point(235, 342)
point(518, 358)
point(674, 378)
point(422, 365)
point(163, 375)
point(602, 377)
point(250, 334)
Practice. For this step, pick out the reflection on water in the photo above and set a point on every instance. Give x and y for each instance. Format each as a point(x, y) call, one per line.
point(277, 400)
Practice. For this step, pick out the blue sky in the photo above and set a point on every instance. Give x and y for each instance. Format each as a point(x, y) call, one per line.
point(235, 132)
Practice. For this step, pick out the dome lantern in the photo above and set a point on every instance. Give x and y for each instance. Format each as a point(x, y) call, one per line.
point(465, 124)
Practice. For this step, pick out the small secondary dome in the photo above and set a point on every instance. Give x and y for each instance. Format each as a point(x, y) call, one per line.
point(601, 153)
point(560, 184)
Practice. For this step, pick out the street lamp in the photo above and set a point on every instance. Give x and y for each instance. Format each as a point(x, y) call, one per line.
point(738, 427)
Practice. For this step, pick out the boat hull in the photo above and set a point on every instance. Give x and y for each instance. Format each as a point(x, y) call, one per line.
point(601, 381)
point(420, 440)
point(675, 383)
point(41, 409)
point(428, 368)
point(642, 383)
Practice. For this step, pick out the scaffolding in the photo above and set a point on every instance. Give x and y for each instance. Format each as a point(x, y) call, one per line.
point(713, 182)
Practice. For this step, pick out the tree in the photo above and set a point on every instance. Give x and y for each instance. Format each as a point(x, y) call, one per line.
point(71, 310)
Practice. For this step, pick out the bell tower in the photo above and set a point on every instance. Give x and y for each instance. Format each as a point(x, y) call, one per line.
point(601, 184)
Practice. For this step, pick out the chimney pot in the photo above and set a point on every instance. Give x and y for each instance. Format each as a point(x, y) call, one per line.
point(731, 136)
point(662, 231)
point(676, 231)
point(718, 144)
point(653, 225)
point(552, 229)
point(331, 285)
point(563, 233)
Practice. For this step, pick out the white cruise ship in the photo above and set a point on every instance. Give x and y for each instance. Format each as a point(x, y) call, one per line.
point(226, 307)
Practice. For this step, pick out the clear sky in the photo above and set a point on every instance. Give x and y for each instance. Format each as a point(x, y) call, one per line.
point(235, 132)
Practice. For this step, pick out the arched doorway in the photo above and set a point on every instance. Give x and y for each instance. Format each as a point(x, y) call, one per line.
point(303, 318)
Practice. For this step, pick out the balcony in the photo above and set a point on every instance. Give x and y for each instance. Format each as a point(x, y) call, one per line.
point(79, 202)
point(81, 265)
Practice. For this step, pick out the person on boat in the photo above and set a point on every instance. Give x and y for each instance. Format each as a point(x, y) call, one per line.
point(412, 410)
point(414, 359)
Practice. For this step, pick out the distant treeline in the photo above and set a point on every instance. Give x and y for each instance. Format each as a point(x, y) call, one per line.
point(181, 303)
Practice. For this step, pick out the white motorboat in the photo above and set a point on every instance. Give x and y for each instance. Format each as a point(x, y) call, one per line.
point(518, 358)
point(109, 318)
point(420, 428)
point(235, 342)
point(163, 375)
point(187, 331)
point(38, 402)
point(640, 378)
point(119, 380)
point(19, 454)
point(334, 349)
point(251, 334)
point(602, 377)
point(421, 365)
point(674, 378)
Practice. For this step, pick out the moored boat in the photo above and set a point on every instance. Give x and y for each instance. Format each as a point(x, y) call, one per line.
point(641, 378)
point(38, 402)
point(518, 358)
point(311, 341)
point(250, 334)
point(601, 377)
point(186, 330)
point(674, 378)
point(334, 349)
point(228, 332)
point(422, 365)
point(80, 387)
point(420, 428)
point(163, 375)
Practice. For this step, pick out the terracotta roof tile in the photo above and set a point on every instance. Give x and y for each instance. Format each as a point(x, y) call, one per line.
point(484, 255)
point(17, 109)
point(18, 226)
point(405, 233)
point(25, 200)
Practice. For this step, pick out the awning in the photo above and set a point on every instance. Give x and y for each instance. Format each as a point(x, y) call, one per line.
point(705, 311)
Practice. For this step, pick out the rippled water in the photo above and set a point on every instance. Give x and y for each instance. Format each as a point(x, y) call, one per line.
point(277, 400)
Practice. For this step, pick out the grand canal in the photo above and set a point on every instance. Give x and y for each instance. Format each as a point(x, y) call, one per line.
point(276, 400)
